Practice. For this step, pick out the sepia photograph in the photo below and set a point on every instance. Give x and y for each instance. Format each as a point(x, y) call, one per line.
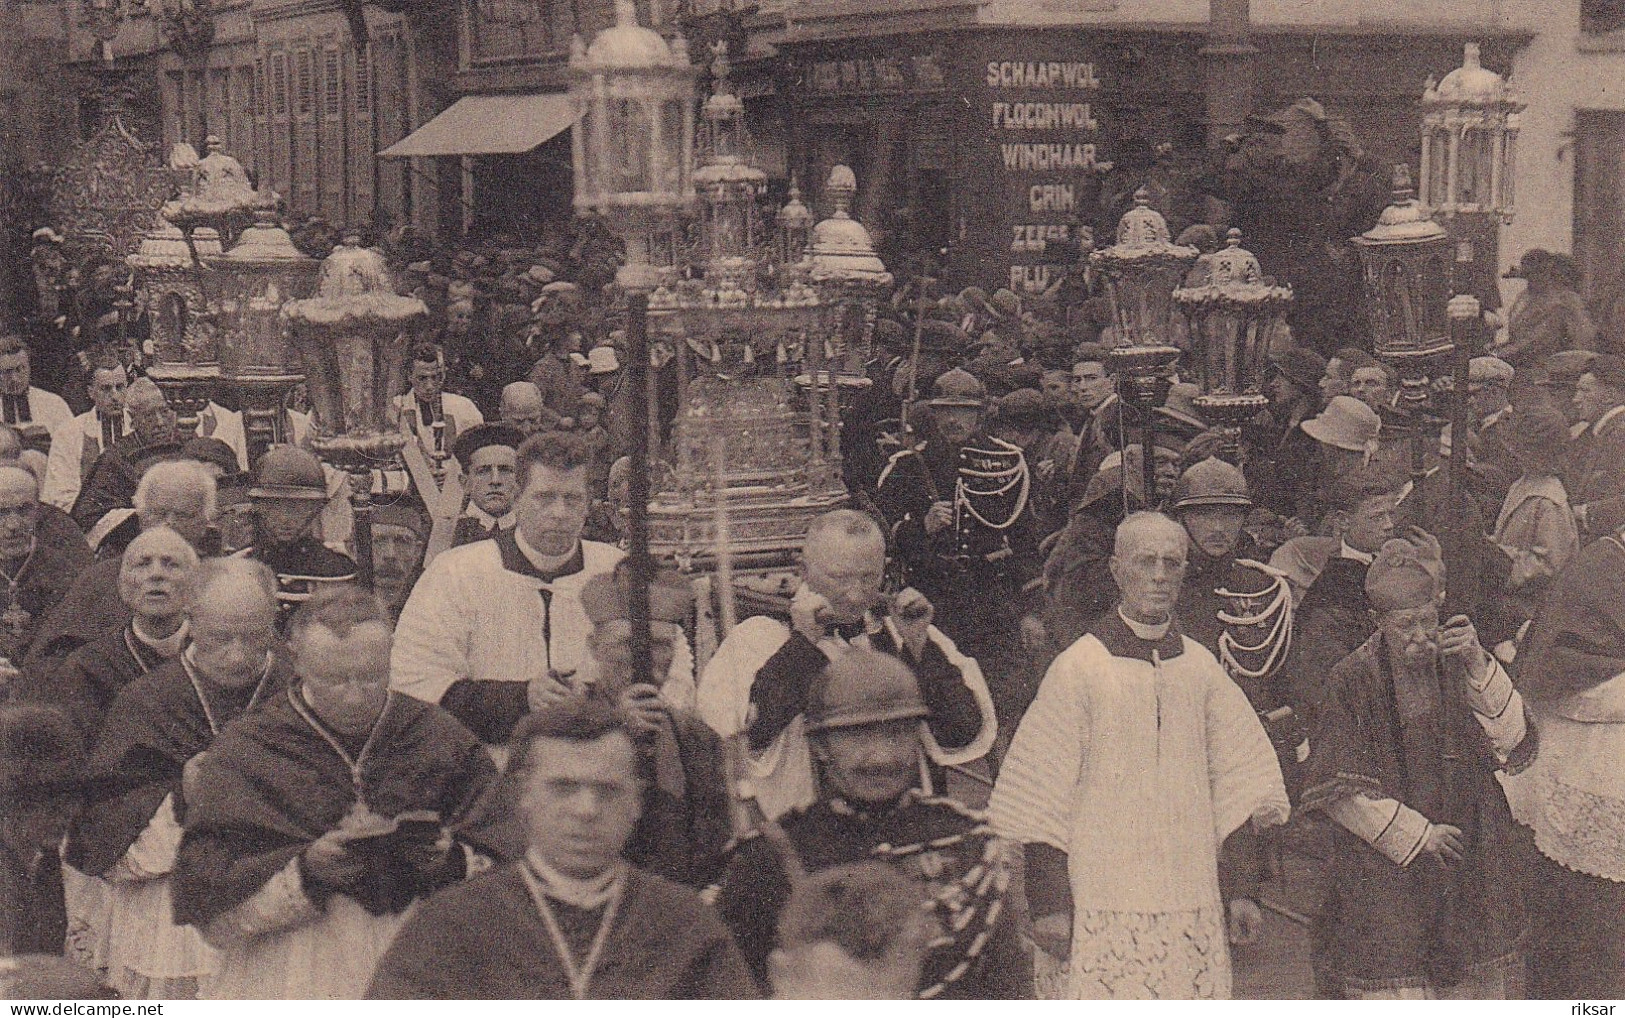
point(811, 499)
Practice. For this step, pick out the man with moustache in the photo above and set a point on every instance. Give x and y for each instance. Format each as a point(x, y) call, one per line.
point(522, 407)
point(758, 682)
point(313, 824)
point(962, 524)
point(151, 573)
point(400, 534)
point(286, 501)
point(1425, 898)
point(864, 720)
point(122, 848)
point(488, 457)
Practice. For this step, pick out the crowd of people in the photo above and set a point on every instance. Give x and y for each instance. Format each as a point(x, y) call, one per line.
point(231, 770)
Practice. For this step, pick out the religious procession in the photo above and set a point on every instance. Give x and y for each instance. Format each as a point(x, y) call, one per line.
point(581, 563)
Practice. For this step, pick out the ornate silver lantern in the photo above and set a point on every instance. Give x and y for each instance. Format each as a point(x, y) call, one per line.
point(1234, 312)
point(352, 340)
point(260, 364)
point(1140, 272)
point(185, 341)
point(1470, 123)
point(1405, 261)
point(851, 280)
point(634, 138)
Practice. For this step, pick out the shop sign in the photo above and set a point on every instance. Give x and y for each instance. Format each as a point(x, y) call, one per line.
point(867, 75)
point(1042, 119)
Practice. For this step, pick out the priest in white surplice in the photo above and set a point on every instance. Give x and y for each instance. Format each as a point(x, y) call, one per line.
point(1137, 760)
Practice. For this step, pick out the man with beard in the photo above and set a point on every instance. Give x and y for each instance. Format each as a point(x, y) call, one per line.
point(315, 823)
point(1425, 897)
point(151, 572)
point(864, 719)
point(179, 494)
point(122, 848)
point(399, 536)
point(117, 472)
point(571, 918)
point(36, 575)
point(288, 496)
point(488, 457)
point(758, 682)
point(959, 514)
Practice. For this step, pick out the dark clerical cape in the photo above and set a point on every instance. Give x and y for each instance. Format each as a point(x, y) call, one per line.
point(486, 939)
point(1385, 926)
point(949, 848)
point(86, 684)
point(272, 785)
point(155, 725)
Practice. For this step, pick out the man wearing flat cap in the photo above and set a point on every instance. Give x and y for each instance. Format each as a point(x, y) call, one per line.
point(488, 456)
point(1595, 477)
point(1489, 403)
point(866, 720)
point(1425, 898)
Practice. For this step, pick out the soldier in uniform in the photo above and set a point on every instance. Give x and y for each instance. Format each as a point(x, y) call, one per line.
point(286, 500)
point(864, 718)
point(958, 509)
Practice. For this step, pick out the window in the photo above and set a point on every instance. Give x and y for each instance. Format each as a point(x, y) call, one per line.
point(508, 29)
point(363, 81)
point(279, 85)
point(331, 63)
point(1602, 15)
point(305, 85)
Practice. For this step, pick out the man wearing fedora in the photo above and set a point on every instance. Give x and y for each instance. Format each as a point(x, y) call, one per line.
point(960, 511)
point(1595, 477)
point(1550, 315)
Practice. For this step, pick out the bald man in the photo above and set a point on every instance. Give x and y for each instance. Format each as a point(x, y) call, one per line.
point(34, 574)
point(156, 727)
point(180, 494)
point(758, 682)
point(523, 407)
point(1137, 759)
point(154, 436)
point(150, 576)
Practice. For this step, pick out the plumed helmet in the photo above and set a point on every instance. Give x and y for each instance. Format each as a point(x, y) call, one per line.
point(287, 471)
point(958, 387)
point(1212, 482)
point(863, 687)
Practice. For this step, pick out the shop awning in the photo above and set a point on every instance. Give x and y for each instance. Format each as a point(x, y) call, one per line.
point(481, 125)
